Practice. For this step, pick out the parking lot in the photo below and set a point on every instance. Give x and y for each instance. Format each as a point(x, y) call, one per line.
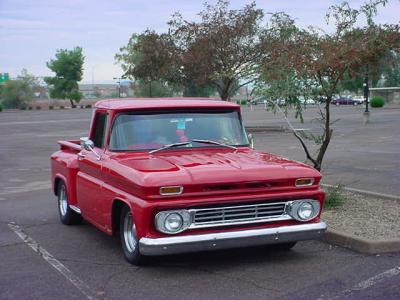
point(79, 262)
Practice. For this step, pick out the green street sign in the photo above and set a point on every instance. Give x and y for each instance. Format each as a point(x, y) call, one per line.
point(4, 77)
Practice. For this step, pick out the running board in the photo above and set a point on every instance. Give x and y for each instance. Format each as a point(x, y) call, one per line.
point(75, 209)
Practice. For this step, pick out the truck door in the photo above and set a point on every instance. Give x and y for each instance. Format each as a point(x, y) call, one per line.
point(90, 177)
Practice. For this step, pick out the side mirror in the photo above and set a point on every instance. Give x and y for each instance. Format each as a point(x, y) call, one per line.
point(88, 145)
point(251, 140)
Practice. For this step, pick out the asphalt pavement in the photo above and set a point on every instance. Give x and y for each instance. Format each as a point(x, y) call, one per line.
point(79, 262)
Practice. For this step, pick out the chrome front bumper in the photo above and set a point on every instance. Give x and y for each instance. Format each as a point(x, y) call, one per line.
point(231, 239)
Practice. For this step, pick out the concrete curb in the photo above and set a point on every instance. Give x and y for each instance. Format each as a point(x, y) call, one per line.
point(360, 244)
point(367, 193)
point(265, 128)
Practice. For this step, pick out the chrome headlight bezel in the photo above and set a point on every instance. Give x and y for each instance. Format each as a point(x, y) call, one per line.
point(294, 209)
point(162, 217)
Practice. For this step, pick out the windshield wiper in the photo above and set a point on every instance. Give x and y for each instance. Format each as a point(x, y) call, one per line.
point(214, 143)
point(170, 146)
point(189, 142)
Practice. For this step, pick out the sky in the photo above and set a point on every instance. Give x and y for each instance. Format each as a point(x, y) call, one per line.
point(32, 31)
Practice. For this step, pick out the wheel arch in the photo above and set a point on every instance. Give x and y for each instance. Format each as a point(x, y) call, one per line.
point(117, 206)
point(58, 178)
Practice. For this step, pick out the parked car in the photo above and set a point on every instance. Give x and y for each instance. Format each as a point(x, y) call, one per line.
point(281, 102)
point(344, 101)
point(359, 99)
point(305, 101)
point(177, 175)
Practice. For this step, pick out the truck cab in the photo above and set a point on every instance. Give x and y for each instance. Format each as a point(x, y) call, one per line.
point(180, 175)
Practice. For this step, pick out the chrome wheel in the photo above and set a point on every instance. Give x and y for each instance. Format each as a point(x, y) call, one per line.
point(129, 233)
point(63, 201)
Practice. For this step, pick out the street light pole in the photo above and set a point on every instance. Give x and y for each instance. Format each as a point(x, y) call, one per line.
point(119, 85)
point(366, 90)
point(366, 96)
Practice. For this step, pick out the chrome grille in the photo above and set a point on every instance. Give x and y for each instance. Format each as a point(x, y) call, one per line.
point(238, 214)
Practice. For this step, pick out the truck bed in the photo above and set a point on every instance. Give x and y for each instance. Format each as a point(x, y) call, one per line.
point(64, 166)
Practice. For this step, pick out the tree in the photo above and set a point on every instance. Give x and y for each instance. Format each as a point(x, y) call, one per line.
point(147, 58)
point(151, 89)
point(391, 73)
point(221, 49)
point(192, 89)
point(319, 60)
point(68, 66)
point(18, 92)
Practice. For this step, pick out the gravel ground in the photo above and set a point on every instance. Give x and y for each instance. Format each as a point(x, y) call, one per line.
point(366, 217)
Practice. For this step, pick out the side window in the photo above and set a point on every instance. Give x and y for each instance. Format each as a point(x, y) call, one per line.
point(99, 130)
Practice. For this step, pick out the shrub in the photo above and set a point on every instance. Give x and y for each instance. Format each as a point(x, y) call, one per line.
point(334, 196)
point(62, 107)
point(30, 108)
point(88, 106)
point(377, 102)
point(51, 107)
point(1, 107)
point(16, 93)
point(82, 106)
point(38, 107)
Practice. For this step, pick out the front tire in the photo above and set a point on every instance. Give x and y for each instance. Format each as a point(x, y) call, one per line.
point(67, 215)
point(129, 240)
point(284, 246)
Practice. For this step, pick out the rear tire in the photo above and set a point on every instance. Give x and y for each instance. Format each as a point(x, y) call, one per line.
point(129, 240)
point(67, 215)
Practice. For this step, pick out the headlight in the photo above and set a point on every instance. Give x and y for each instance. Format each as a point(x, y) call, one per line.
point(172, 221)
point(304, 210)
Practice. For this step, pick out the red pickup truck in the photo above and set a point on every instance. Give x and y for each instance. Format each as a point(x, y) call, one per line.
point(180, 175)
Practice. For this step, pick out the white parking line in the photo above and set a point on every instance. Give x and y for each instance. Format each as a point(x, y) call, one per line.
point(367, 283)
point(79, 284)
point(27, 187)
point(43, 122)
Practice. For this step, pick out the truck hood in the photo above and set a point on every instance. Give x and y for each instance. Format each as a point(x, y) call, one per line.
point(219, 166)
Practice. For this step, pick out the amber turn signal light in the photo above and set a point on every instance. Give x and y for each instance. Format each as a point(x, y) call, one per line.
point(171, 190)
point(304, 181)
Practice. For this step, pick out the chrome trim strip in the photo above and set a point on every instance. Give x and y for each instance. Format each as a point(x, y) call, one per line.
point(283, 217)
point(226, 222)
point(75, 209)
point(230, 239)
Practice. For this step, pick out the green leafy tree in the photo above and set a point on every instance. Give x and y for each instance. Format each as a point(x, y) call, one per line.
point(68, 67)
point(220, 52)
point(192, 89)
point(147, 59)
point(152, 89)
point(18, 93)
point(222, 49)
point(320, 60)
point(392, 72)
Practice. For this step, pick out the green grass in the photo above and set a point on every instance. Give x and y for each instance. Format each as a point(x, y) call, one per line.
point(335, 197)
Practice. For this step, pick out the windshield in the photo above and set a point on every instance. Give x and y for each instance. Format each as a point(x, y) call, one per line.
point(148, 131)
